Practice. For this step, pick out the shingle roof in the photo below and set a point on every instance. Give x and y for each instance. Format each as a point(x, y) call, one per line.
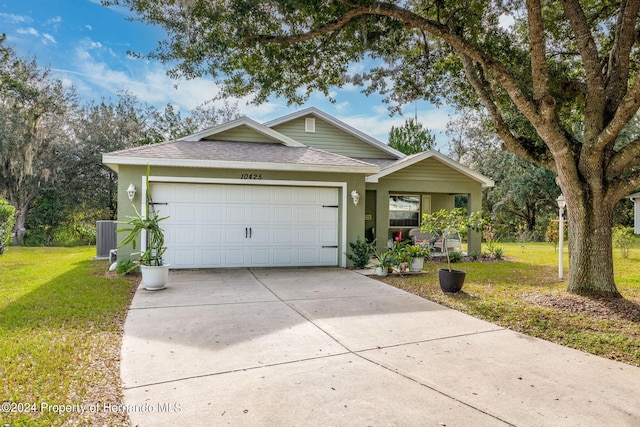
point(235, 152)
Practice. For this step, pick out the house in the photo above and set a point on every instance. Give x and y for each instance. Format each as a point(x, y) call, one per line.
point(635, 198)
point(290, 192)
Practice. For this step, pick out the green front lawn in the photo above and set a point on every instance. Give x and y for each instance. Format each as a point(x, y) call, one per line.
point(61, 318)
point(523, 293)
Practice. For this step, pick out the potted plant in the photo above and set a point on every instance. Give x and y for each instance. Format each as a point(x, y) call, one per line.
point(445, 224)
point(155, 272)
point(417, 254)
point(385, 262)
point(402, 257)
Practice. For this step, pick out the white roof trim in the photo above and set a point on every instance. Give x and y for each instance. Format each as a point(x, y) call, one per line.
point(114, 161)
point(243, 121)
point(339, 124)
point(415, 158)
point(634, 196)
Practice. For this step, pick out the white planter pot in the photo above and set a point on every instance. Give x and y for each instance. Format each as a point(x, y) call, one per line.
point(417, 264)
point(154, 277)
point(382, 271)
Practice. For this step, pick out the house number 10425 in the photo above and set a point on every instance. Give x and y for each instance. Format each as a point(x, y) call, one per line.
point(251, 176)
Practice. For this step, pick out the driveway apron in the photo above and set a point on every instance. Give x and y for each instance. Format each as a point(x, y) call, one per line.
point(330, 347)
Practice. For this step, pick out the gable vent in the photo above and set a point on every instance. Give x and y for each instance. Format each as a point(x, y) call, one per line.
point(310, 125)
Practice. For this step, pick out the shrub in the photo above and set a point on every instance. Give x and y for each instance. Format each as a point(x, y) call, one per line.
point(455, 256)
point(360, 252)
point(498, 252)
point(623, 239)
point(124, 267)
point(7, 221)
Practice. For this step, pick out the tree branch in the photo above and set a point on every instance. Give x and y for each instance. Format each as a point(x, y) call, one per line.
point(328, 28)
point(511, 143)
point(538, 52)
point(618, 67)
point(623, 186)
point(627, 108)
point(624, 159)
point(596, 96)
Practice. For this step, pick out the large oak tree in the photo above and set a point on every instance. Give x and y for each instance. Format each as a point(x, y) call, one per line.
point(560, 83)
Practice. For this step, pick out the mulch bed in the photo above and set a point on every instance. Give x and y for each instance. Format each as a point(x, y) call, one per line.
point(600, 308)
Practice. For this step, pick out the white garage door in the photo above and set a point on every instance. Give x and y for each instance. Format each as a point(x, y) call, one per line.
point(216, 225)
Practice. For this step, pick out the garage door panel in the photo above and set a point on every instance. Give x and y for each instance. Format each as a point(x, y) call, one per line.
point(307, 235)
point(162, 191)
point(183, 193)
point(327, 216)
point(234, 257)
point(260, 257)
point(259, 235)
point(235, 235)
point(283, 257)
point(182, 213)
point(235, 214)
point(260, 214)
point(185, 258)
point(328, 256)
point(281, 235)
point(212, 193)
point(211, 214)
point(219, 225)
point(212, 235)
point(184, 235)
point(212, 258)
point(283, 215)
point(326, 236)
point(327, 196)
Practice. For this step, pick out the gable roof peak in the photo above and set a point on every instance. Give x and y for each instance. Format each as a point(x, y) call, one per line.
point(418, 157)
point(247, 122)
point(340, 125)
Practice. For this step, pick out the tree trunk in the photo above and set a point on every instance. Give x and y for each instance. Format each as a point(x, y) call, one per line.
point(19, 230)
point(22, 205)
point(591, 248)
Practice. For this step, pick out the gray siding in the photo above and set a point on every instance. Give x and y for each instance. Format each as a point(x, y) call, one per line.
point(330, 138)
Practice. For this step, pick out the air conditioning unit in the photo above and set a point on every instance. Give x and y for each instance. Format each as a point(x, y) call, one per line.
point(106, 238)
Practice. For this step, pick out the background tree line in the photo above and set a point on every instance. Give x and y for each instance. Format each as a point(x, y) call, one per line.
point(51, 147)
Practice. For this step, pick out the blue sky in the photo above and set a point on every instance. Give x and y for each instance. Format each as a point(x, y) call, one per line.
point(86, 45)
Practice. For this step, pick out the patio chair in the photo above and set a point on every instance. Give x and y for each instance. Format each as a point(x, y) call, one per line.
point(420, 238)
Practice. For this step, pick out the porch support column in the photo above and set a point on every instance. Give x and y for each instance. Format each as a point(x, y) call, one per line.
point(382, 219)
point(475, 238)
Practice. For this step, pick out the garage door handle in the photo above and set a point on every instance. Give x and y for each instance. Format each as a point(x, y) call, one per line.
point(336, 246)
point(246, 232)
point(250, 232)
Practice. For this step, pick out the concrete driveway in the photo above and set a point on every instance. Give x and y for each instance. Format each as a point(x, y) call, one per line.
point(330, 347)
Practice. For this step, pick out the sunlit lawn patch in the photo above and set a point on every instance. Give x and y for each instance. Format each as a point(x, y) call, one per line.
point(61, 317)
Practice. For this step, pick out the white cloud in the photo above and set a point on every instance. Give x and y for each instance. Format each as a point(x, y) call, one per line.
point(48, 38)
point(28, 31)
point(16, 19)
